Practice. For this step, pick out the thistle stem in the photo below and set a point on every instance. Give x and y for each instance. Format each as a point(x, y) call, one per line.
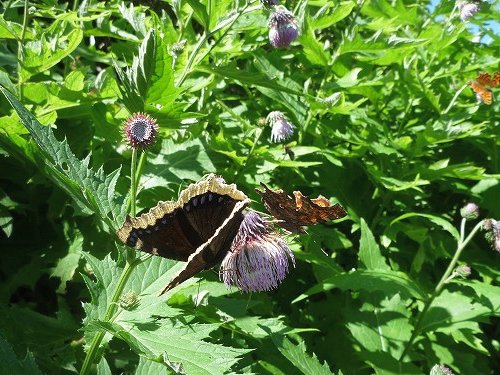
point(20, 52)
point(439, 287)
point(90, 358)
point(133, 184)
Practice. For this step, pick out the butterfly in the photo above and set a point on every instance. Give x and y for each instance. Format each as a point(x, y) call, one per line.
point(198, 228)
point(294, 214)
point(482, 86)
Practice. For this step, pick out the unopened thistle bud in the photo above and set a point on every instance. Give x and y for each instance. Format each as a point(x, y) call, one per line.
point(129, 301)
point(463, 271)
point(283, 27)
point(467, 9)
point(140, 130)
point(441, 370)
point(470, 211)
point(282, 128)
point(492, 228)
point(258, 259)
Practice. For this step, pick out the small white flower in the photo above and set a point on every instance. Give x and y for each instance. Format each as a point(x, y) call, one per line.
point(282, 128)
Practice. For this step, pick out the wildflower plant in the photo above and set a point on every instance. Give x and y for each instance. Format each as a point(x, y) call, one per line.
point(109, 107)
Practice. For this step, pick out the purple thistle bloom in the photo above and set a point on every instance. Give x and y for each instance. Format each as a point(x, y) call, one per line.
point(282, 128)
point(140, 130)
point(283, 27)
point(467, 9)
point(258, 259)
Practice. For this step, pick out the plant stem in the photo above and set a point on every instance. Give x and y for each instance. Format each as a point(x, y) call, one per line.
point(452, 103)
point(439, 287)
point(20, 52)
point(113, 305)
point(133, 184)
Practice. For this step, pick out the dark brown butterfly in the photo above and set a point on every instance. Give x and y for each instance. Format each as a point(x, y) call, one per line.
point(198, 228)
point(294, 214)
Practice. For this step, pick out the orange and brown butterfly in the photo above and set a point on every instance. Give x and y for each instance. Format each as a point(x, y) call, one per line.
point(293, 214)
point(482, 86)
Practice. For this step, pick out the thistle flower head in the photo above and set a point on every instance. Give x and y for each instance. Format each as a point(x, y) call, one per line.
point(470, 211)
point(283, 27)
point(258, 259)
point(140, 130)
point(441, 370)
point(282, 128)
point(467, 9)
point(492, 228)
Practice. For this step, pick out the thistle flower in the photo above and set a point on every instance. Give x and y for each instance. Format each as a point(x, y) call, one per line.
point(467, 9)
point(258, 259)
point(470, 211)
point(140, 130)
point(492, 228)
point(283, 27)
point(282, 128)
point(441, 370)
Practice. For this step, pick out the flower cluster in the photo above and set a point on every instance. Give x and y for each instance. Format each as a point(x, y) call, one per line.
point(467, 8)
point(282, 128)
point(441, 370)
point(492, 228)
point(470, 211)
point(258, 259)
point(140, 130)
point(283, 27)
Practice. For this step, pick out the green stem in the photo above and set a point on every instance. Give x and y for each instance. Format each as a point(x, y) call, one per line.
point(452, 103)
point(133, 184)
point(20, 52)
point(460, 246)
point(90, 358)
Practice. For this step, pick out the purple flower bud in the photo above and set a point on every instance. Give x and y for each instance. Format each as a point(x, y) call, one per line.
point(492, 228)
point(470, 211)
point(140, 130)
point(467, 9)
point(282, 129)
point(283, 27)
point(258, 259)
point(441, 370)
point(463, 271)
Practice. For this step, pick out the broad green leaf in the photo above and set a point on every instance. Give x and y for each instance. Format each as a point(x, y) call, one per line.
point(200, 12)
point(308, 365)
point(337, 14)
point(369, 251)
point(10, 364)
point(389, 282)
point(446, 225)
point(94, 190)
point(41, 54)
point(313, 49)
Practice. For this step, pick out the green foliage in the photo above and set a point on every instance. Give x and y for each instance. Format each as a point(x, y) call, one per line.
point(385, 124)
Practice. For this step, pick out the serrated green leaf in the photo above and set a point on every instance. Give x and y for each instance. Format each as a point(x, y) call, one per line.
point(95, 190)
point(308, 365)
point(10, 364)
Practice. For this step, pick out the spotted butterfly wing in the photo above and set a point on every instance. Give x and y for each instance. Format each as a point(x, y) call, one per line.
point(198, 228)
point(294, 214)
point(482, 86)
